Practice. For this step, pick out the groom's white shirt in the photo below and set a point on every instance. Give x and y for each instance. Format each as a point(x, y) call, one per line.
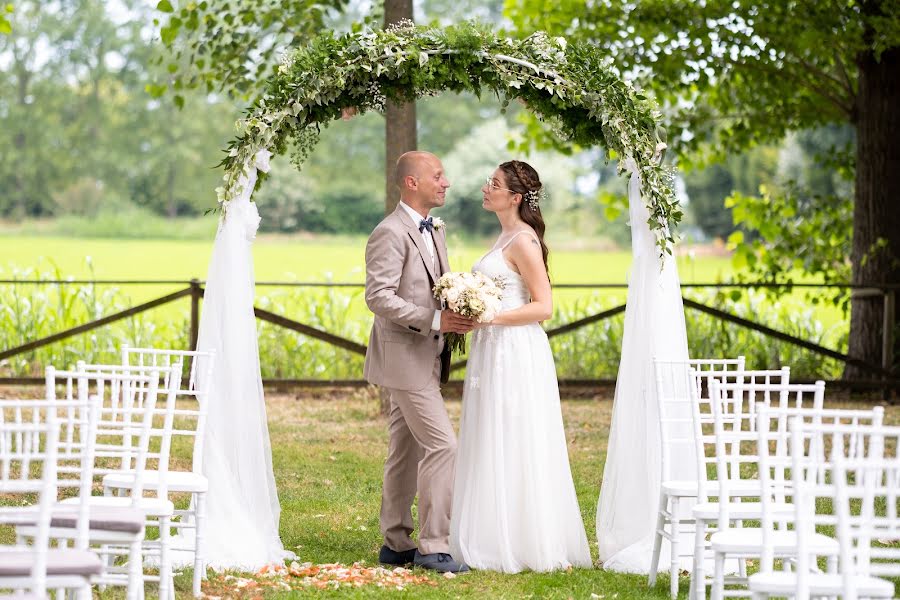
point(429, 243)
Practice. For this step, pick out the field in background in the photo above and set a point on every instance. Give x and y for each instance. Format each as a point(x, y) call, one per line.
point(287, 258)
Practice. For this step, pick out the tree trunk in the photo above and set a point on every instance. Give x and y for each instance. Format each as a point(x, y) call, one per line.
point(876, 213)
point(400, 118)
point(171, 206)
point(20, 140)
point(399, 137)
point(399, 134)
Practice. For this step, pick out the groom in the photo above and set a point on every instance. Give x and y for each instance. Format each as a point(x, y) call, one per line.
point(405, 256)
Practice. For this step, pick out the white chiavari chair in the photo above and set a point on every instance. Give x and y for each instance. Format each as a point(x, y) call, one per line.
point(119, 530)
point(867, 503)
point(706, 511)
point(29, 441)
point(190, 427)
point(818, 509)
point(676, 393)
point(777, 461)
point(134, 434)
point(735, 409)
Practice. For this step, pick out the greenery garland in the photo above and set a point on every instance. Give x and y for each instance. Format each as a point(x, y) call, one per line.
point(569, 86)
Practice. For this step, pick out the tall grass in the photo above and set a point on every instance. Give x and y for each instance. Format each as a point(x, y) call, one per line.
point(33, 311)
point(287, 354)
point(594, 351)
point(30, 312)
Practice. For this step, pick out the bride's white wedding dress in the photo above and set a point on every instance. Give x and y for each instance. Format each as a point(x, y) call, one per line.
point(514, 503)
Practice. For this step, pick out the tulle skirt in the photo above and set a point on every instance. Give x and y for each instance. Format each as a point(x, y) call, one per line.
point(514, 503)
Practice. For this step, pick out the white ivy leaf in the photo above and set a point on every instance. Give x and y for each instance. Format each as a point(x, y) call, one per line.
point(423, 58)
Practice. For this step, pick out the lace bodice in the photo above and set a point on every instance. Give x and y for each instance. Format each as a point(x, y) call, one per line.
point(492, 264)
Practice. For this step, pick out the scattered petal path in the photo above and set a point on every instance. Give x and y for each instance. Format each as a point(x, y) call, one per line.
point(308, 575)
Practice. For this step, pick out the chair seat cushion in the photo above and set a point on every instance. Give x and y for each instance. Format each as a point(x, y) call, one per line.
point(177, 481)
point(102, 518)
point(152, 507)
point(750, 540)
point(17, 563)
point(820, 584)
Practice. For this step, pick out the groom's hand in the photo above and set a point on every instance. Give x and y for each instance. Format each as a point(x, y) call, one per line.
point(452, 322)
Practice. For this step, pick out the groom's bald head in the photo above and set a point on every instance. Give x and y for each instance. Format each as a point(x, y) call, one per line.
point(411, 164)
point(421, 180)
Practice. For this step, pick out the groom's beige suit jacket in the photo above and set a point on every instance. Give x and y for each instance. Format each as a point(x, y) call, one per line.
point(400, 275)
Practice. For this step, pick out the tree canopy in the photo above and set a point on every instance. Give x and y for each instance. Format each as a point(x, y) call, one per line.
point(731, 73)
point(229, 46)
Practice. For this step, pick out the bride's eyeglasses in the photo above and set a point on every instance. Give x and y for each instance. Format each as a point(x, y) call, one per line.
point(493, 185)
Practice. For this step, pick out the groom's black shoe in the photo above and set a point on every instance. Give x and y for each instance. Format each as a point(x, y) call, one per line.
point(397, 559)
point(441, 562)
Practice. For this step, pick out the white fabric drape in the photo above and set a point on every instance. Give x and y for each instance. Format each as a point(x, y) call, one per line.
point(242, 503)
point(654, 327)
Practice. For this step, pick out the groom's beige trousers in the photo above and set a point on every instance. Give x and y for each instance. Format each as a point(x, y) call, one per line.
point(421, 456)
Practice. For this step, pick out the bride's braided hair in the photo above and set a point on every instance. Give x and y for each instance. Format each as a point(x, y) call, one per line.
point(521, 178)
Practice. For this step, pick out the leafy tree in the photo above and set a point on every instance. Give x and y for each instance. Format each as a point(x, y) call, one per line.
point(733, 74)
point(5, 25)
point(225, 46)
point(50, 98)
point(707, 188)
point(83, 133)
point(400, 134)
point(804, 224)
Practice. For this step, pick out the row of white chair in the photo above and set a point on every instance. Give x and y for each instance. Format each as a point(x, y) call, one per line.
point(111, 431)
point(845, 505)
point(730, 418)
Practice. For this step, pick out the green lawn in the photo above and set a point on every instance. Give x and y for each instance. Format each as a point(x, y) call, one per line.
point(328, 453)
point(289, 258)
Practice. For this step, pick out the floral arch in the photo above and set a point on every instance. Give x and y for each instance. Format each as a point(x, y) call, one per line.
point(570, 86)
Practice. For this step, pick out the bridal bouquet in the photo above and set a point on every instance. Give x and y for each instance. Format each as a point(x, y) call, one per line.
point(473, 295)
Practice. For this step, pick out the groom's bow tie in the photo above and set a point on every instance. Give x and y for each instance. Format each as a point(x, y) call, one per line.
point(426, 224)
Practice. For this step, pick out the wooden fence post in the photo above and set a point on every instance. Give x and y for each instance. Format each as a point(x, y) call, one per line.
point(196, 294)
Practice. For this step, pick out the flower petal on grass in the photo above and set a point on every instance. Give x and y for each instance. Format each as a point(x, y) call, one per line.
point(323, 576)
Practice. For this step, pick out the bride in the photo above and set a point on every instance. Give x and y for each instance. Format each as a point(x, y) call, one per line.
point(514, 503)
